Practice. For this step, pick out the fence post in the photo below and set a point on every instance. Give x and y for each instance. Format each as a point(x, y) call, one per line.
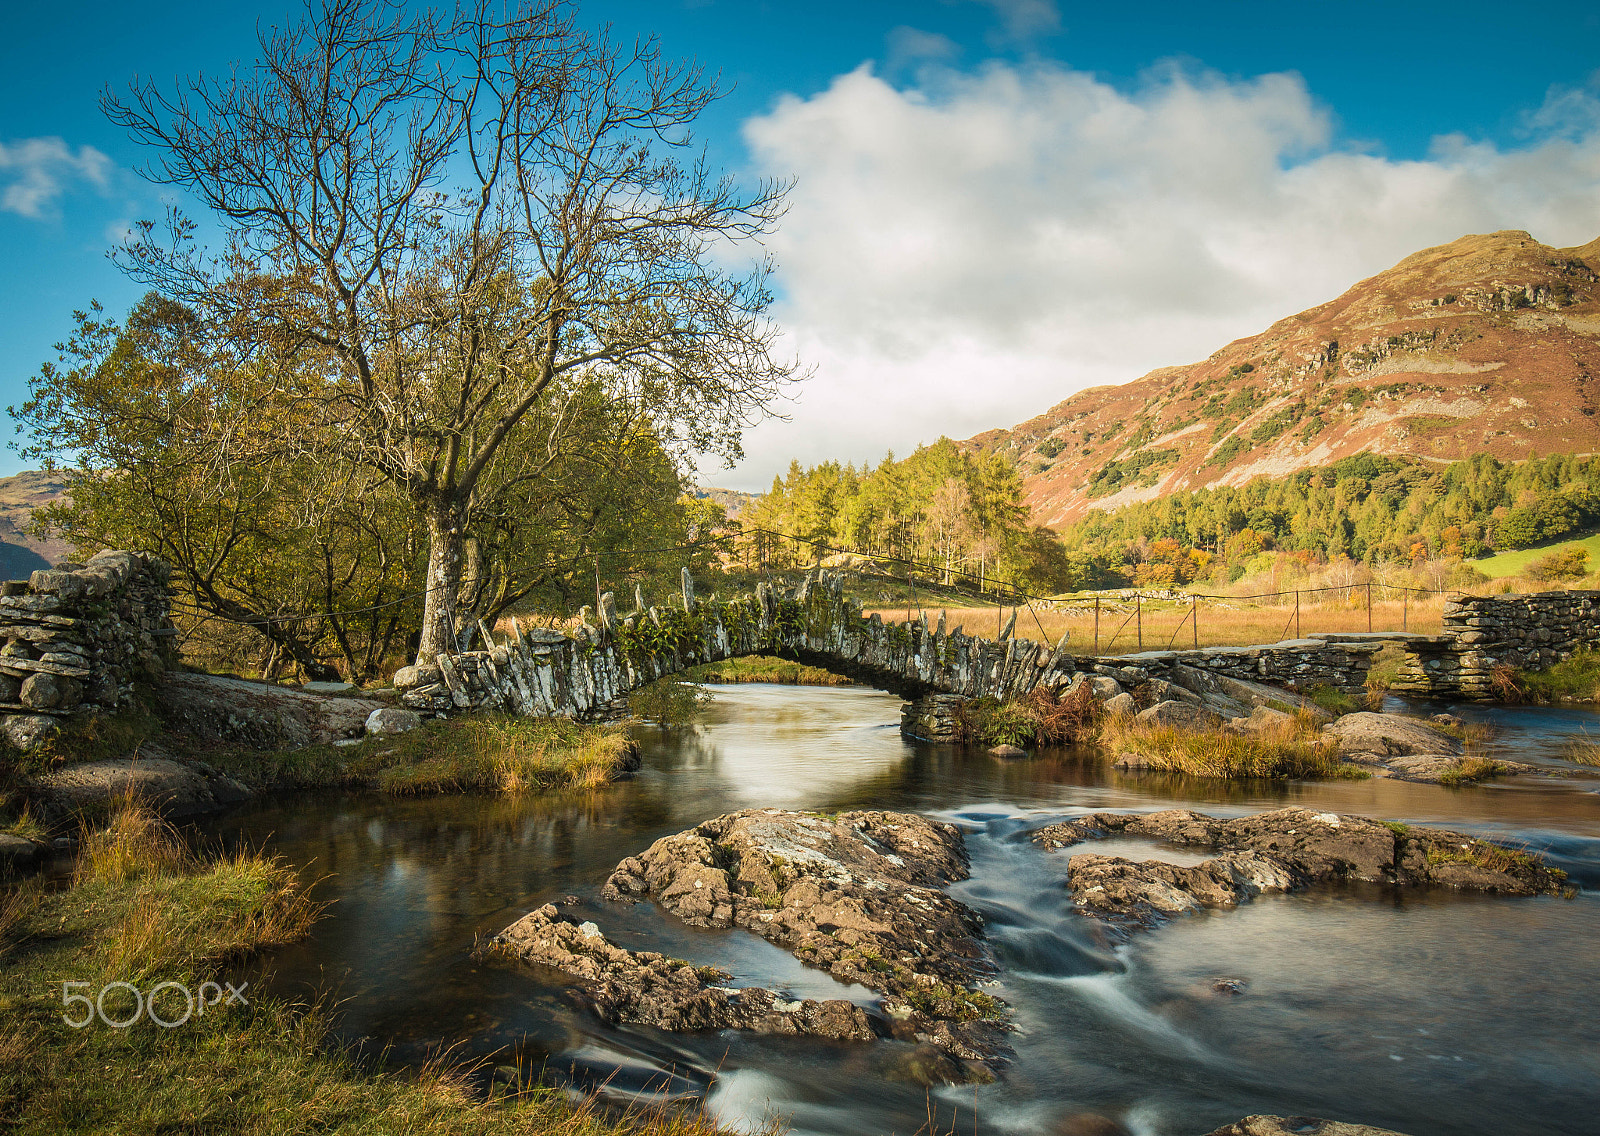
point(1405, 609)
point(1369, 607)
point(1138, 616)
point(1297, 613)
point(1194, 619)
point(1097, 625)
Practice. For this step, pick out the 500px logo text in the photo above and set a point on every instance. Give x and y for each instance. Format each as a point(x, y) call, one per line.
point(192, 1004)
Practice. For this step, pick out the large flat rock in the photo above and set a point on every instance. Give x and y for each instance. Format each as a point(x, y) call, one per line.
point(259, 714)
point(1388, 735)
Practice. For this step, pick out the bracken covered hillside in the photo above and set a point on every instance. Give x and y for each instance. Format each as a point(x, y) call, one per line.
point(1489, 344)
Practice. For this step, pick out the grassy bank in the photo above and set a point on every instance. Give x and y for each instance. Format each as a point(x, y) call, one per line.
point(765, 668)
point(490, 754)
point(143, 911)
point(1293, 750)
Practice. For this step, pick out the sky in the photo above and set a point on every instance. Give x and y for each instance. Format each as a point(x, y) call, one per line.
point(996, 203)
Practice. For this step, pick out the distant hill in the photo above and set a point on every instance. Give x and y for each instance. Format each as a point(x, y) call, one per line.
point(732, 501)
point(20, 495)
point(1489, 344)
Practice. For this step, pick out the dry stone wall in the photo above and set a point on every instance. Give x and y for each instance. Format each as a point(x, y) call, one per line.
point(75, 639)
point(1480, 633)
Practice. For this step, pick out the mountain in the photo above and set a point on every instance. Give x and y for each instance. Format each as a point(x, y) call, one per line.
point(20, 495)
point(1489, 344)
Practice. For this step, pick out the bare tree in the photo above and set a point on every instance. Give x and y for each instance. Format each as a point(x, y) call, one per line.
point(449, 222)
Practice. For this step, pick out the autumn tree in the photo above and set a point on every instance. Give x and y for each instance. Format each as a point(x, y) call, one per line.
point(438, 227)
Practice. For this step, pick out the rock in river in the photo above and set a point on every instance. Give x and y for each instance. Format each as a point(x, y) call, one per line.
point(1277, 851)
point(1262, 1125)
point(668, 993)
point(858, 895)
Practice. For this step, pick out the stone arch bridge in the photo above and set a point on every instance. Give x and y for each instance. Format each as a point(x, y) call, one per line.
point(584, 674)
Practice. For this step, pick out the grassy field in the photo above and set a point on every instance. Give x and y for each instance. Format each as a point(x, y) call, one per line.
point(1512, 563)
point(144, 912)
point(1161, 623)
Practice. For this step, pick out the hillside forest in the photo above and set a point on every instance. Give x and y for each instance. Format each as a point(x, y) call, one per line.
point(964, 512)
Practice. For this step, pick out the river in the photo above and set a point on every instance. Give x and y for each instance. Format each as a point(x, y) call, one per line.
point(1430, 1013)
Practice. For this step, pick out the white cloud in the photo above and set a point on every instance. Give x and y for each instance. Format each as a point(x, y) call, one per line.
point(35, 172)
point(967, 251)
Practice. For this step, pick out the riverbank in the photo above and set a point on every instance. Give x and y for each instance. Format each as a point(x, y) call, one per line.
point(765, 668)
point(87, 770)
point(149, 934)
point(478, 754)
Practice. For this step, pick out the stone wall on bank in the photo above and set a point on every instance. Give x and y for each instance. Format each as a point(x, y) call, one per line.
point(75, 639)
point(1528, 632)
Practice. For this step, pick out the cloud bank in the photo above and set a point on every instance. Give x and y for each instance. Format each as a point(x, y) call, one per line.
point(965, 251)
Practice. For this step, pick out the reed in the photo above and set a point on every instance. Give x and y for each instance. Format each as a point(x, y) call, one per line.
point(1293, 750)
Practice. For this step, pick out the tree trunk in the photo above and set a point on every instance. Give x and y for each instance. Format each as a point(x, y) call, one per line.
point(446, 540)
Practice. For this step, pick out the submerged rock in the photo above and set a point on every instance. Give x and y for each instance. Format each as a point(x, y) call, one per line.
point(1274, 852)
point(1263, 1125)
point(654, 990)
point(858, 896)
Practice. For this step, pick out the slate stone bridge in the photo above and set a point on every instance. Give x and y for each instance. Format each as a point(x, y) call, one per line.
point(586, 673)
point(583, 674)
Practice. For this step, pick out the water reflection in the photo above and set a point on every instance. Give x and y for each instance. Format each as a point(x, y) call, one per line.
point(1429, 1013)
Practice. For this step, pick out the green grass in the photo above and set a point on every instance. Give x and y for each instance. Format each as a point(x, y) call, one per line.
point(492, 754)
point(1469, 771)
point(1333, 700)
point(1577, 677)
point(150, 913)
point(765, 668)
point(1512, 563)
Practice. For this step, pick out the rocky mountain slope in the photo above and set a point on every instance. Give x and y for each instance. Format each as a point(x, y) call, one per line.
point(20, 495)
point(1489, 344)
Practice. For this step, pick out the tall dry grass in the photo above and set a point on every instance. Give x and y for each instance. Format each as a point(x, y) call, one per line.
point(1293, 749)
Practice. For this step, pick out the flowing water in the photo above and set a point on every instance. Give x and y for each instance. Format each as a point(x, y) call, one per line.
point(1430, 1013)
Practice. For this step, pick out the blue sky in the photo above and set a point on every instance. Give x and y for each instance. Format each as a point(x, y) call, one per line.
point(998, 201)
